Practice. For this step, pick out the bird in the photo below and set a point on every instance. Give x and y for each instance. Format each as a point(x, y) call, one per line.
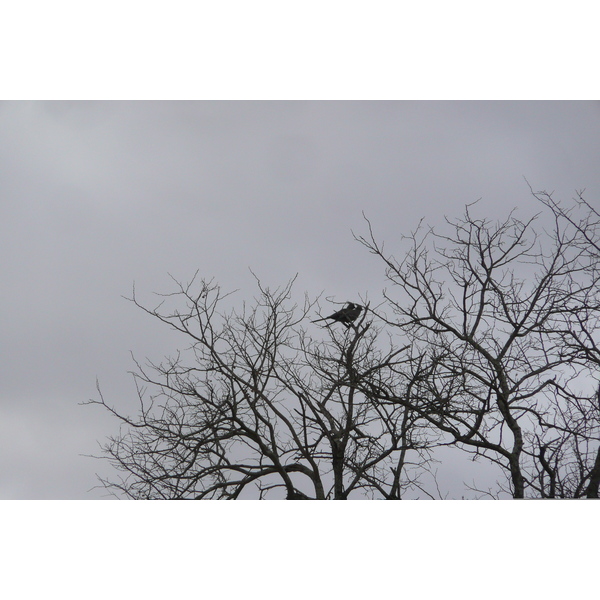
point(346, 315)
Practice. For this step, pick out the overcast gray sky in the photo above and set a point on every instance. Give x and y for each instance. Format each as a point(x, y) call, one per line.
point(95, 195)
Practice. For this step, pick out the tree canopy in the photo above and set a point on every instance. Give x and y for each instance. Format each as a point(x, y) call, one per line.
point(485, 341)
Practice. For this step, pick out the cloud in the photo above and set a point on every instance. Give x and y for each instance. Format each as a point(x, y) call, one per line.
point(97, 195)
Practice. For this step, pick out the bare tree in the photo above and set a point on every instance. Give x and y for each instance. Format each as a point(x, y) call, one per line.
point(486, 341)
point(257, 407)
point(579, 422)
point(501, 321)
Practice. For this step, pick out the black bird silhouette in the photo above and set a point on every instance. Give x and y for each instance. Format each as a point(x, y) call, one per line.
point(346, 315)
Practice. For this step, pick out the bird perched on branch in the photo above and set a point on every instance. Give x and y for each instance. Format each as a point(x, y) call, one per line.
point(346, 315)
